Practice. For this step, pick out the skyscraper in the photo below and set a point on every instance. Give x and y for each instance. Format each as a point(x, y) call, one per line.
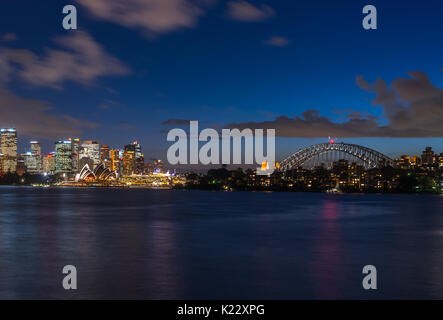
point(8, 144)
point(75, 154)
point(428, 157)
point(33, 159)
point(114, 155)
point(63, 156)
point(90, 149)
point(128, 161)
point(133, 159)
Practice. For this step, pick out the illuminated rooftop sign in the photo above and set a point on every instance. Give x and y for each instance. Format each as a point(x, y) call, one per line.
point(8, 130)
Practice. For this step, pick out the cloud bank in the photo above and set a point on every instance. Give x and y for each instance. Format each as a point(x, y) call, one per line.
point(413, 107)
point(33, 118)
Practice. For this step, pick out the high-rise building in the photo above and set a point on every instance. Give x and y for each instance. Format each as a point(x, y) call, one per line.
point(36, 148)
point(428, 157)
point(90, 149)
point(104, 152)
point(75, 154)
point(133, 159)
point(114, 156)
point(49, 164)
point(128, 162)
point(104, 156)
point(8, 146)
point(63, 156)
point(33, 159)
point(21, 166)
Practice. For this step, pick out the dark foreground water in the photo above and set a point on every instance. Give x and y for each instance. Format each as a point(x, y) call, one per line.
point(155, 244)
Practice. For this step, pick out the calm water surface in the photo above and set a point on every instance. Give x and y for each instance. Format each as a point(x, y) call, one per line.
point(156, 244)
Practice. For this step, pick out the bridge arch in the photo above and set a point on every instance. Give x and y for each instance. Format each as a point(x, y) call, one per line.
point(369, 157)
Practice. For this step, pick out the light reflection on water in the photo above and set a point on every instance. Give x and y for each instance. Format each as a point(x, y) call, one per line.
point(157, 244)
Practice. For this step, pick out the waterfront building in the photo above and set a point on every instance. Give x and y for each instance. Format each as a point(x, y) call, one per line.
point(99, 174)
point(8, 147)
point(155, 166)
point(63, 157)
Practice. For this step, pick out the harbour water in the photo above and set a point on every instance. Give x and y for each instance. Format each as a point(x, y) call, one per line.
point(171, 244)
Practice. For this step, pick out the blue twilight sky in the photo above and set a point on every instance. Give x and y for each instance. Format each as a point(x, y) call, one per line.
point(132, 65)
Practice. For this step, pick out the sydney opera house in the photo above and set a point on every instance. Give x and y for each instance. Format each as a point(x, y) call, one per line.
point(99, 174)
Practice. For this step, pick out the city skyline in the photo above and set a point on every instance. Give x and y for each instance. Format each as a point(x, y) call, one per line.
point(239, 63)
point(72, 155)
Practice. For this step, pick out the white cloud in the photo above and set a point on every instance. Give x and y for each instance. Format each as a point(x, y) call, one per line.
point(152, 16)
point(81, 60)
point(277, 41)
point(244, 11)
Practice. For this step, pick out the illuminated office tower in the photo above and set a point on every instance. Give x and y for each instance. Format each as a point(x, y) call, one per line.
point(33, 159)
point(128, 161)
point(133, 159)
point(49, 164)
point(75, 154)
point(139, 158)
point(90, 149)
point(114, 156)
point(63, 156)
point(8, 146)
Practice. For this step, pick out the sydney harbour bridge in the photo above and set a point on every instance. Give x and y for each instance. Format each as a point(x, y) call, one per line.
point(327, 153)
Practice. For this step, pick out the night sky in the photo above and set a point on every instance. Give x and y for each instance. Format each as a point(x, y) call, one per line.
point(306, 68)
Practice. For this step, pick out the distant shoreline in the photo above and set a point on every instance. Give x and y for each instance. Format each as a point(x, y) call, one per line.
point(277, 190)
